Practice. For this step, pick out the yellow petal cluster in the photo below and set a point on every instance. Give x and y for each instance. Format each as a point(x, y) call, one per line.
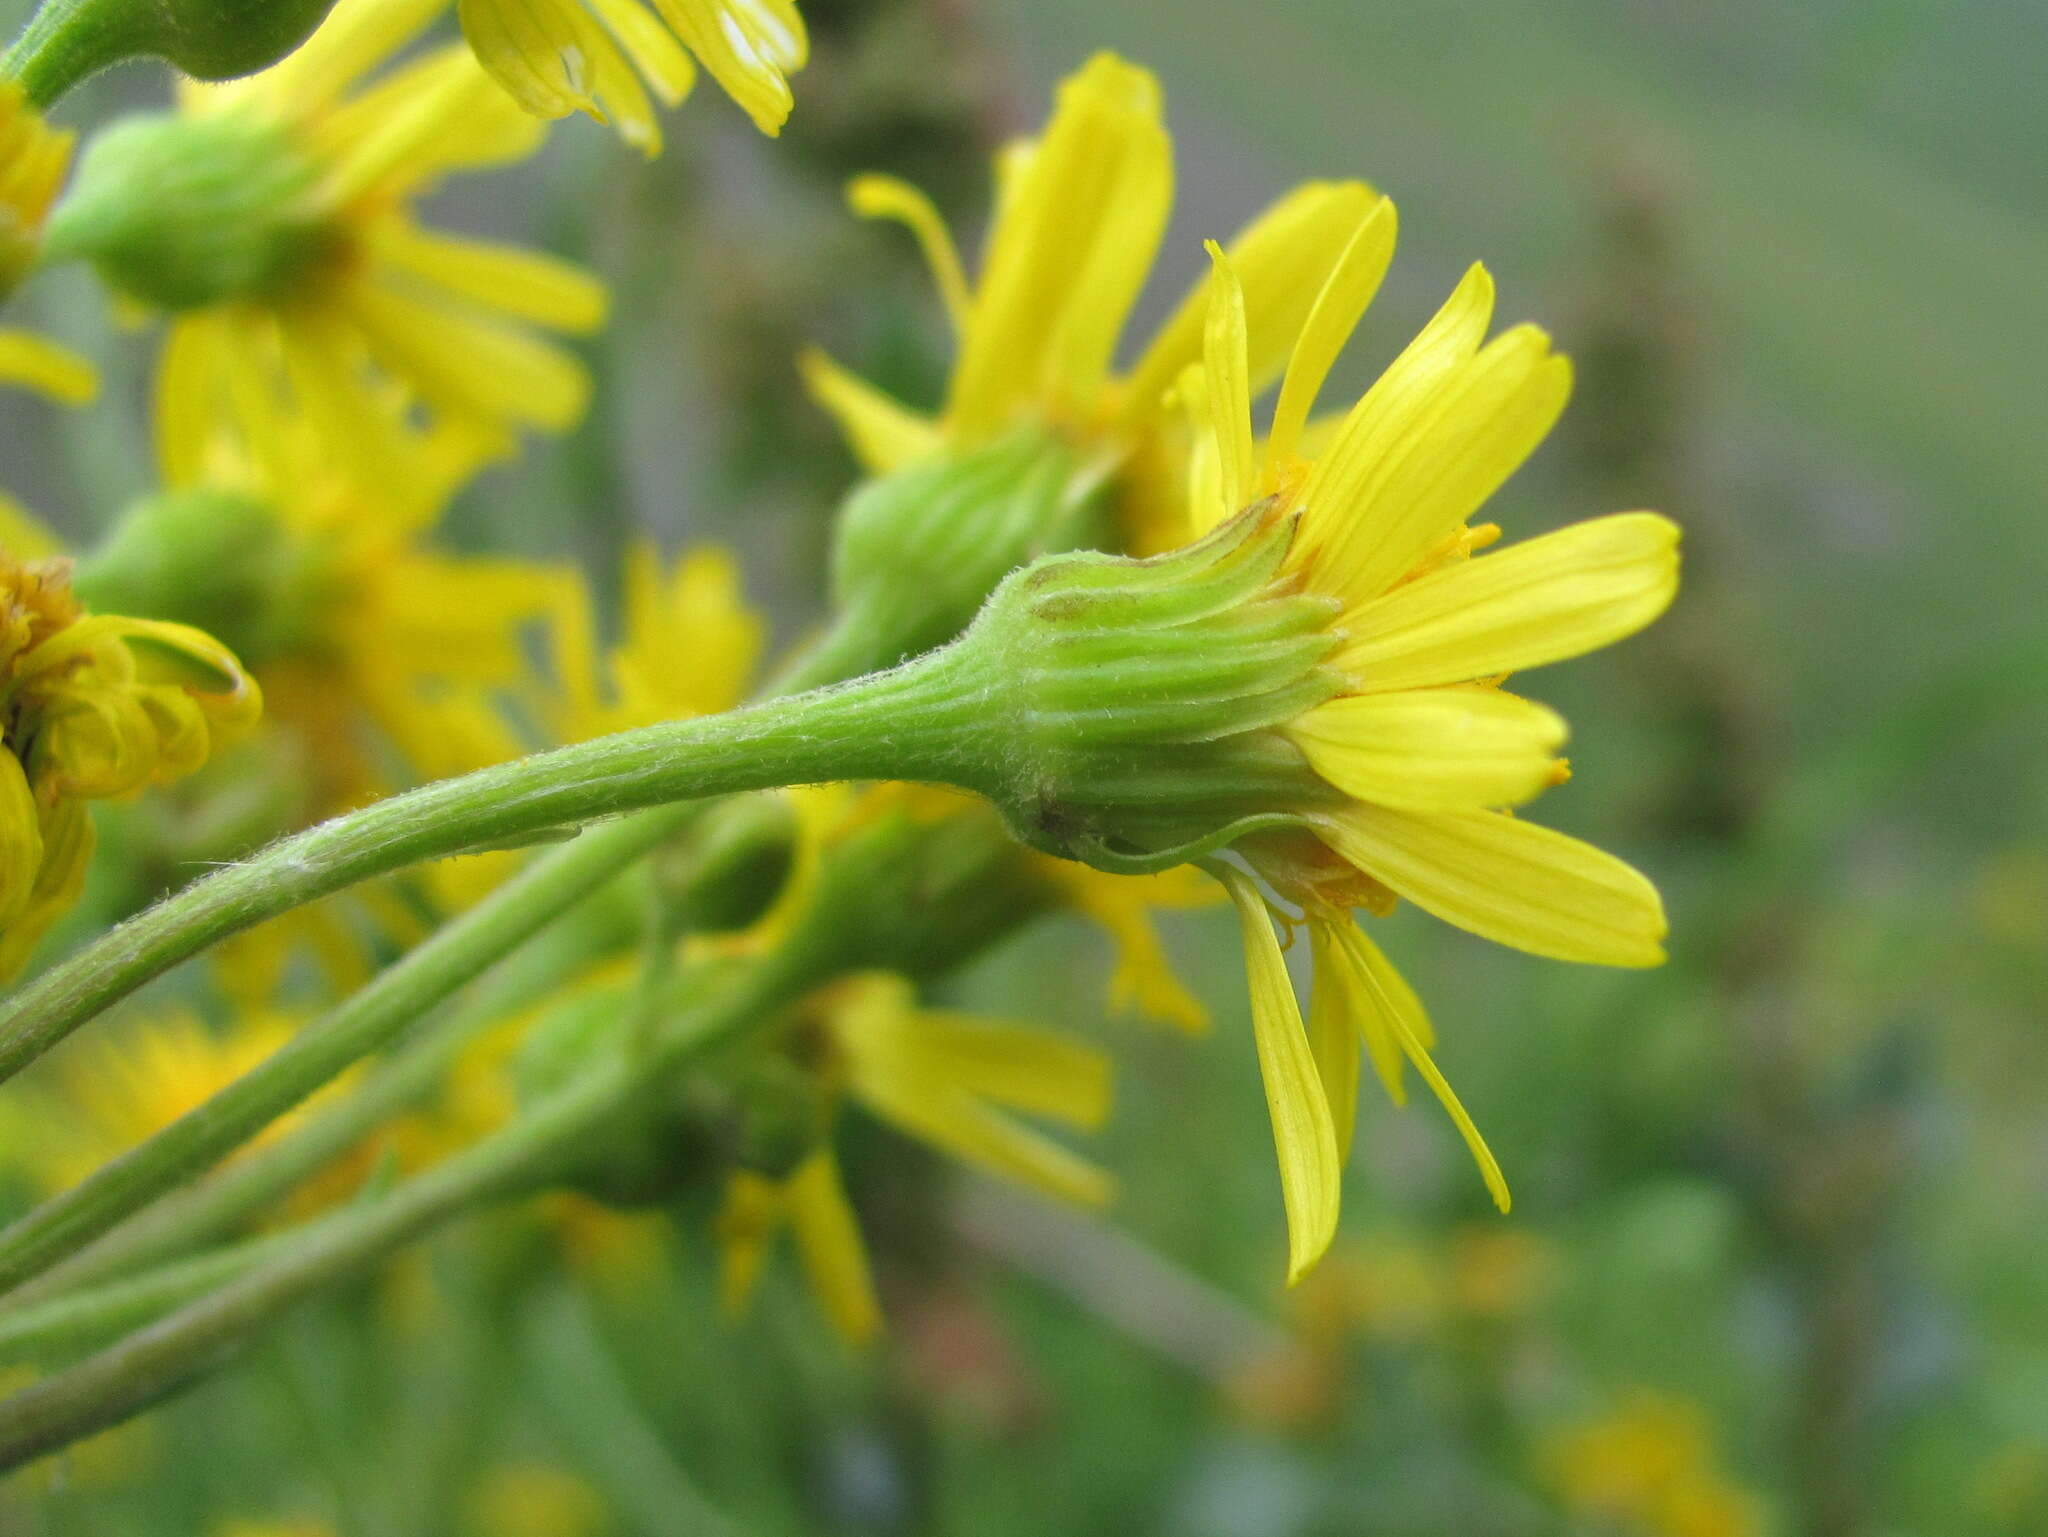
point(382, 322)
point(1080, 212)
point(1428, 750)
point(614, 58)
point(92, 707)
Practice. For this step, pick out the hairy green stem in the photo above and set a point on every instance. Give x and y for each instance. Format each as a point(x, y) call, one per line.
point(914, 722)
point(68, 40)
point(364, 1023)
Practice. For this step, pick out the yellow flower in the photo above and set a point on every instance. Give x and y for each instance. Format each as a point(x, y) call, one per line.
point(563, 56)
point(1650, 1462)
point(91, 707)
point(309, 289)
point(32, 160)
point(1079, 215)
point(112, 1092)
point(1420, 751)
point(948, 1079)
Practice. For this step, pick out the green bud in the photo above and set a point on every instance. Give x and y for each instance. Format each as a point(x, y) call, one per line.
point(919, 550)
point(1129, 705)
point(208, 39)
point(214, 559)
point(185, 211)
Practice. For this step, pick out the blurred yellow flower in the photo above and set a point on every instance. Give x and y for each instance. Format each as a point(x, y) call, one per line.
point(32, 160)
point(1649, 1463)
point(92, 707)
point(316, 293)
point(950, 1080)
point(112, 1091)
point(532, 1499)
point(563, 56)
point(1080, 212)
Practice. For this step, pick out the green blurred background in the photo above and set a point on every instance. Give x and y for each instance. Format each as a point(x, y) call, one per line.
point(1776, 1261)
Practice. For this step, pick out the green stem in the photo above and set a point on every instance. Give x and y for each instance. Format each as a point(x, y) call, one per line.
point(364, 1023)
point(80, 1319)
point(154, 1362)
point(187, 1219)
point(68, 40)
point(918, 721)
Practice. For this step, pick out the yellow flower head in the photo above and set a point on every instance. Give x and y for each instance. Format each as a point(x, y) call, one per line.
point(92, 706)
point(1650, 1462)
point(1079, 215)
point(951, 1080)
point(112, 1092)
point(1425, 749)
point(271, 216)
point(563, 56)
point(32, 160)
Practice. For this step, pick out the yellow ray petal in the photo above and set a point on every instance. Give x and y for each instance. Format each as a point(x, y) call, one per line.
point(31, 362)
point(1334, 1033)
point(748, 46)
point(1454, 452)
point(1339, 304)
point(1304, 1135)
point(1437, 749)
point(828, 1240)
point(543, 289)
point(468, 367)
point(1384, 415)
point(1078, 224)
point(1227, 375)
point(657, 56)
point(1282, 257)
point(1507, 880)
point(1018, 1066)
point(1398, 1014)
point(883, 434)
point(21, 840)
point(886, 197)
point(1539, 601)
point(536, 50)
point(747, 1220)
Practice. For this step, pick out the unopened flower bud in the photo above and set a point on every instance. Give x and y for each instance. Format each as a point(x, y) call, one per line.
point(181, 211)
point(920, 549)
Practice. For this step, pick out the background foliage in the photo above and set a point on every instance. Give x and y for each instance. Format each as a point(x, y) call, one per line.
point(1778, 1205)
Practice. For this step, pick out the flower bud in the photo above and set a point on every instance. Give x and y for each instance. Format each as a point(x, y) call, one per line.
point(182, 211)
point(207, 39)
point(920, 549)
point(217, 560)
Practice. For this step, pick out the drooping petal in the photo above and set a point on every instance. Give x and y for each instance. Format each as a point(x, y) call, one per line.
point(1334, 1034)
point(1304, 1134)
point(883, 433)
point(1389, 1008)
point(1437, 749)
point(1018, 1066)
point(467, 366)
point(21, 840)
point(1545, 599)
point(747, 1221)
point(828, 1240)
point(535, 49)
point(1507, 880)
point(657, 56)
